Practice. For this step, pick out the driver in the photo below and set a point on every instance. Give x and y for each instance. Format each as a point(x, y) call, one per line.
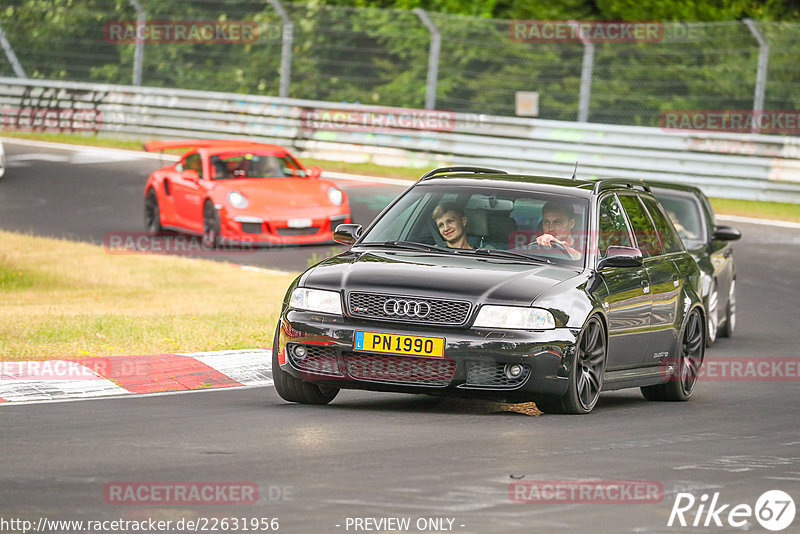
point(451, 221)
point(558, 220)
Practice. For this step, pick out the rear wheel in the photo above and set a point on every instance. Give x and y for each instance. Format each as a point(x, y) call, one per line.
point(730, 313)
point(680, 386)
point(295, 390)
point(586, 375)
point(211, 226)
point(152, 214)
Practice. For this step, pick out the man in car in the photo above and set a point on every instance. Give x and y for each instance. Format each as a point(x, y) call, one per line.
point(451, 221)
point(558, 220)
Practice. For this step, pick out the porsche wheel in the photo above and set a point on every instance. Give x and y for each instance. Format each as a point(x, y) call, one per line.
point(586, 376)
point(680, 386)
point(211, 226)
point(294, 390)
point(152, 214)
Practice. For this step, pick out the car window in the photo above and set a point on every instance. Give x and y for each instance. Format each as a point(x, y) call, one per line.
point(495, 219)
point(686, 215)
point(194, 161)
point(613, 228)
point(670, 239)
point(643, 230)
point(241, 164)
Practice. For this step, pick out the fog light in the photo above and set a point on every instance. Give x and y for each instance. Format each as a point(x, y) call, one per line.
point(513, 370)
point(299, 352)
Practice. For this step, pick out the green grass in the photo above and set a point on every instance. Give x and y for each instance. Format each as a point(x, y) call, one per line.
point(745, 208)
point(62, 299)
point(753, 208)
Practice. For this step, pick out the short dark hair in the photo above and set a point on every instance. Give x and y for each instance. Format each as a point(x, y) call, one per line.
point(446, 207)
point(557, 205)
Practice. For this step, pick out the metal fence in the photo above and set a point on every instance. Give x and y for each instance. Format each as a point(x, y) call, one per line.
point(745, 166)
point(405, 58)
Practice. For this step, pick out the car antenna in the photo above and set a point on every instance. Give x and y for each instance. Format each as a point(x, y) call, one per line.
point(575, 171)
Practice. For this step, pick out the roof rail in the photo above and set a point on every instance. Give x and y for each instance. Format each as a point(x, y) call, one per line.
point(616, 182)
point(443, 170)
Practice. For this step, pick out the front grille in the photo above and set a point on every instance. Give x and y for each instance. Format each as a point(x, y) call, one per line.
point(298, 231)
point(251, 227)
point(417, 371)
point(487, 374)
point(320, 360)
point(442, 312)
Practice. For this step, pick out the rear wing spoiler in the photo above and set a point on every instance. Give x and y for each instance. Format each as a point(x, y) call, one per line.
point(158, 146)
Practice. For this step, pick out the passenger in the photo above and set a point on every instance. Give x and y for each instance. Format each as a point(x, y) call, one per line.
point(558, 220)
point(682, 231)
point(451, 222)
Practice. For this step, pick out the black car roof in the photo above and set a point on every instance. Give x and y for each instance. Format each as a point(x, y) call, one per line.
point(686, 188)
point(566, 186)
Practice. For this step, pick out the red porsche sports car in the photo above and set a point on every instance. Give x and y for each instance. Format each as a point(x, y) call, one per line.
point(237, 191)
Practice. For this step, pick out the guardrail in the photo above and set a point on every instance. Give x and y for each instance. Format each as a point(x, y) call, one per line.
point(748, 166)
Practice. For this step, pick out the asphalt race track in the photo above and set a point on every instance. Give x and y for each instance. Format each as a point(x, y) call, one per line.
point(374, 455)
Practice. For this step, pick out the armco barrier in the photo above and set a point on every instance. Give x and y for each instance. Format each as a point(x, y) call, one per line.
point(748, 166)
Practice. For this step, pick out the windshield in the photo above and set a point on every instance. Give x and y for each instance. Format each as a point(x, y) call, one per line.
point(686, 215)
point(253, 165)
point(487, 222)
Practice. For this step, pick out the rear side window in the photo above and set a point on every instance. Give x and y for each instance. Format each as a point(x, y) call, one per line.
point(643, 230)
point(614, 229)
point(670, 239)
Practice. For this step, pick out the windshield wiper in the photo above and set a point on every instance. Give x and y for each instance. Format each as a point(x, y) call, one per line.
point(510, 254)
point(408, 245)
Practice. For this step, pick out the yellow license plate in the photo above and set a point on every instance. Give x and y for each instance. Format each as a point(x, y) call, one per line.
point(431, 347)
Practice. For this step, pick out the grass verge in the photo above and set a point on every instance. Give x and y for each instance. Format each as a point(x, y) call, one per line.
point(62, 299)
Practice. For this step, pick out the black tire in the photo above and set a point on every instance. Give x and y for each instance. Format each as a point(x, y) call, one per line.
point(294, 390)
point(712, 314)
point(729, 325)
point(586, 375)
point(211, 226)
point(680, 386)
point(152, 214)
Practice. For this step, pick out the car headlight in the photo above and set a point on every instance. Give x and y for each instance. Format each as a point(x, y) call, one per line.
point(514, 317)
point(335, 196)
point(317, 300)
point(238, 200)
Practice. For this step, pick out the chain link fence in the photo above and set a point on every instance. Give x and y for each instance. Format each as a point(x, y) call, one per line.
point(395, 58)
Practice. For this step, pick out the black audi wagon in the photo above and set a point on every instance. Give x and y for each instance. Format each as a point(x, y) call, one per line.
point(475, 282)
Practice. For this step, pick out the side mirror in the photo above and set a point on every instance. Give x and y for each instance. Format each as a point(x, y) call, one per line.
point(621, 257)
point(726, 233)
point(347, 234)
point(314, 172)
point(190, 175)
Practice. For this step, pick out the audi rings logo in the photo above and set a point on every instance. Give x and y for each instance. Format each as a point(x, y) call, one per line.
point(407, 308)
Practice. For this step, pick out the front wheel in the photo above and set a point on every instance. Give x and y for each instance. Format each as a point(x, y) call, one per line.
point(211, 226)
point(586, 375)
point(680, 386)
point(294, 390)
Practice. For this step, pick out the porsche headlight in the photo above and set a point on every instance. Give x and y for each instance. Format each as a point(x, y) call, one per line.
point(238, 200)
point(514, 317)
point(317, 300)
point(335, 196)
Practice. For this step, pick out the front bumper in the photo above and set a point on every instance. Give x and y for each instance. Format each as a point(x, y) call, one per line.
point(276, 231)
point(474, 364)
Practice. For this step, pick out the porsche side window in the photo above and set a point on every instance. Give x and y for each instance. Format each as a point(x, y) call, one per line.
point(666, 231)
point(643, 230)
point(194, 161)
point(613, 227)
